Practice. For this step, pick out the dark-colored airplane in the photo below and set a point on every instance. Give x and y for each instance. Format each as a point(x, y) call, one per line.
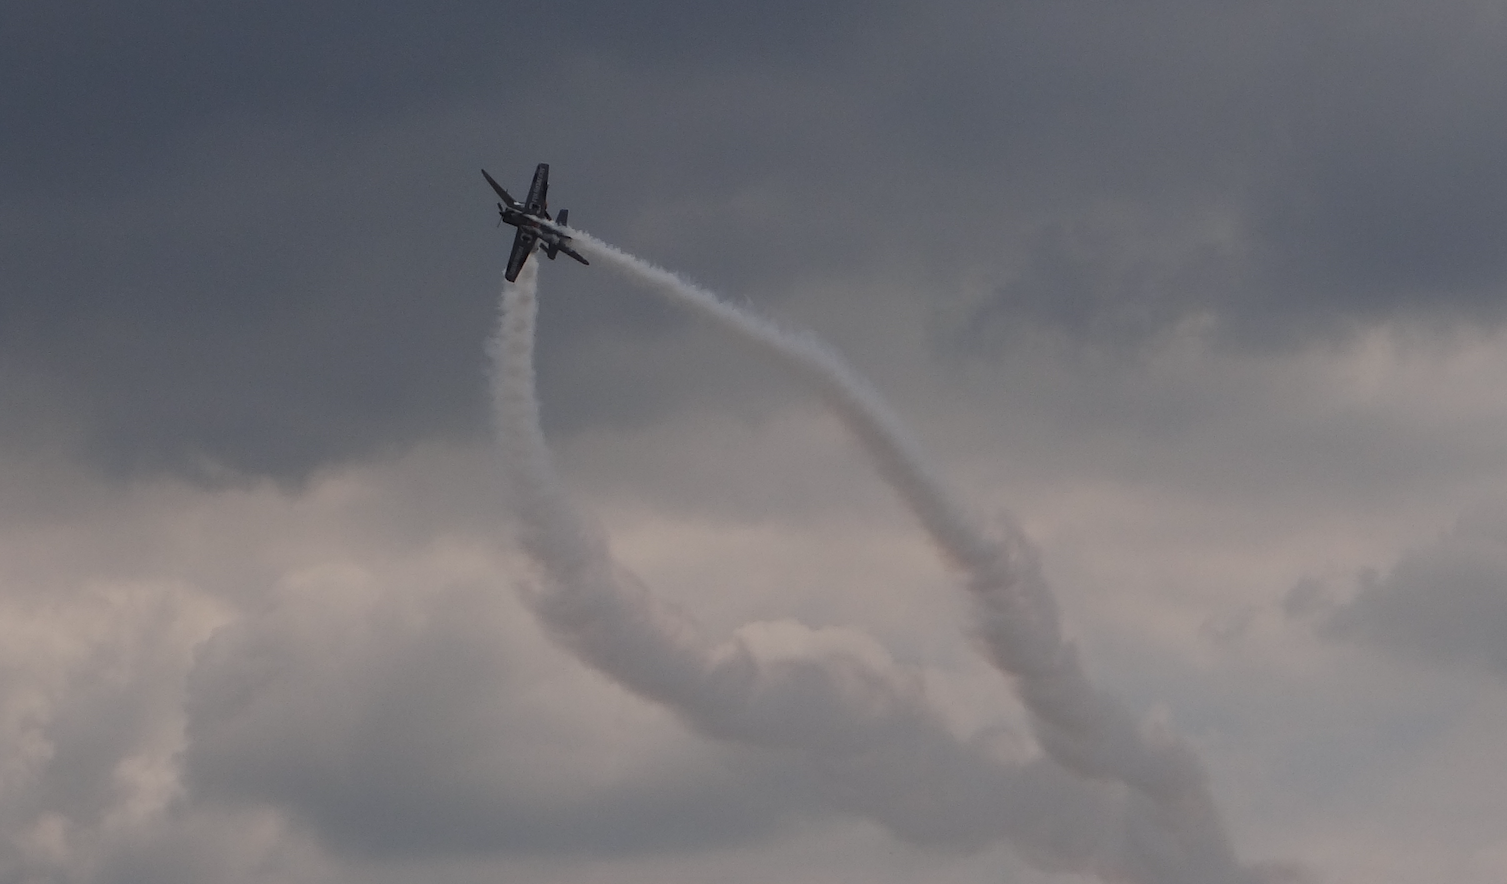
point(535, 226)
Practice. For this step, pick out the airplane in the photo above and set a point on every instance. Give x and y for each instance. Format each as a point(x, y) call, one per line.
point(535, 227)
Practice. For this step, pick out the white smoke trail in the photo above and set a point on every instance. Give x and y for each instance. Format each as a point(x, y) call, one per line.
point(869, 728)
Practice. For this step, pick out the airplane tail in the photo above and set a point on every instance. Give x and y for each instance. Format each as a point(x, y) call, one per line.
point(553, 250)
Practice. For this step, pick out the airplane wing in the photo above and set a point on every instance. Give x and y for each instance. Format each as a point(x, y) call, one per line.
point(538, 192)
point(523, 246)
point(498, 187)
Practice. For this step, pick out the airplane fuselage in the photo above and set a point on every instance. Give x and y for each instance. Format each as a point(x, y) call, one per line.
point(535, 226)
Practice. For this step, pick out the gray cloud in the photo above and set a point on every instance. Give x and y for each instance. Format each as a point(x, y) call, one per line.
point(90, 693)
point(1445, 602)
point(396, 729)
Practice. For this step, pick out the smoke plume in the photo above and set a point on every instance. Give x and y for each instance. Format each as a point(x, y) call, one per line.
point(1103, 796)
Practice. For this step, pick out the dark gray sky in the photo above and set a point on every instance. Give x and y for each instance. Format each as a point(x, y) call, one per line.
point(1209, 295)
point(249, 236)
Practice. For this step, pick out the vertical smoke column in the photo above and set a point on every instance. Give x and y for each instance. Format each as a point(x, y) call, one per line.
point(1076, 724)
point(649, 646)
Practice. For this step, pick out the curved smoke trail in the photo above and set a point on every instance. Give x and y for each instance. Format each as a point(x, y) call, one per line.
point(1138, 808)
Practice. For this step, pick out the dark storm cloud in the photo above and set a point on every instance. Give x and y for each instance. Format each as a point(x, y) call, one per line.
point(246, 314)
point(1390, 196)
point(111, 84)
point(230, 241)
point(1351, 149)
point(252, 238)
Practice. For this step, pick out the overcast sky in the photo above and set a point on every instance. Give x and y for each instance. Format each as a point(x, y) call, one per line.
point(1211, 298)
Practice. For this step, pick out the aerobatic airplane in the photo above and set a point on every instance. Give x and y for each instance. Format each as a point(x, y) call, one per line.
point(535, 226)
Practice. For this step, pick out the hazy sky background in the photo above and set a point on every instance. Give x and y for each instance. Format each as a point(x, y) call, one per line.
point(1209, 297)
